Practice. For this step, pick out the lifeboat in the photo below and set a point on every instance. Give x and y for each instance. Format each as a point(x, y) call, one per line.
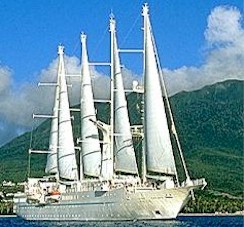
point(53, 193)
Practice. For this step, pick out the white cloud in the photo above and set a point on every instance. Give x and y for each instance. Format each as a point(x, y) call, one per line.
point(17, 106)
point(5, 79)
point(224, 58)
point(224, 25)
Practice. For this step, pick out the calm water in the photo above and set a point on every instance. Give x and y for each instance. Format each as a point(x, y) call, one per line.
point(211, 221)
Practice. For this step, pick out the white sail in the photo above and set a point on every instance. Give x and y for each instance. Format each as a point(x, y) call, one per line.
point(90, 147)
point(52, 163)
point(125, 160)
point(66, 152)
point(158, 148)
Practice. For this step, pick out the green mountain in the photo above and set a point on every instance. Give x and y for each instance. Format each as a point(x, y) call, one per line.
point(209, 123)
point(210, 127)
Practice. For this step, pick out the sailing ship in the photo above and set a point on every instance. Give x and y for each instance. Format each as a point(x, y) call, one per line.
point(106, 184)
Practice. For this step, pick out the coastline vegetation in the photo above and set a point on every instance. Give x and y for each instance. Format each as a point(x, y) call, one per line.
point(6, 208)
point(213, 202)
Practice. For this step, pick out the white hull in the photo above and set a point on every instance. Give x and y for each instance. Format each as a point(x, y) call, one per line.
point(114, 205)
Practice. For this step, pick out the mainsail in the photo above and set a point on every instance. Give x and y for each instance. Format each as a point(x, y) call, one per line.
point(90, 147)
point(158, 148)
point(125, 160)
point(52, 165)
point(66, 152)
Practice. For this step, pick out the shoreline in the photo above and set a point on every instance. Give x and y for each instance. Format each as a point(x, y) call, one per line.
point(8, 215)
point(209, 214)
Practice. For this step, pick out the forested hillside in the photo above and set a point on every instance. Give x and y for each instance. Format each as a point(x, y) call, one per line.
point(209, 122)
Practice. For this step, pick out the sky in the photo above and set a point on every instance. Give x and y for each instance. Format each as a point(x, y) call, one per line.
point(199, 43)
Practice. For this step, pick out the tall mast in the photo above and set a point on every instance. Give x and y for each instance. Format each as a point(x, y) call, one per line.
point(112, 30)
point(66, 151)
point(124, 154)
point(90, 148)
point(159, 151)
point(144, 170)
point(171, 118)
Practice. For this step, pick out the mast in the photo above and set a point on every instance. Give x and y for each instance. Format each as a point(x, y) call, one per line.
point(144, 167)
point(90, 163)
point(125, 160)
point(66, 151)
point(171, 117)
point(111, 162)
point(158, 147)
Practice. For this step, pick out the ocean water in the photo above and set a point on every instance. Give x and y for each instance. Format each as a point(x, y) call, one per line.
point(187, 221)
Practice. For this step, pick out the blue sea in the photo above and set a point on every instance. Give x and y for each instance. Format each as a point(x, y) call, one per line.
point(186, 221)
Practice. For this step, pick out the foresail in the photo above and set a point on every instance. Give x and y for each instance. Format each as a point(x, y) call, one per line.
point(52, 162)
point(90, 147)
point(158, 148)
point(125, 160)
point(66, 152)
